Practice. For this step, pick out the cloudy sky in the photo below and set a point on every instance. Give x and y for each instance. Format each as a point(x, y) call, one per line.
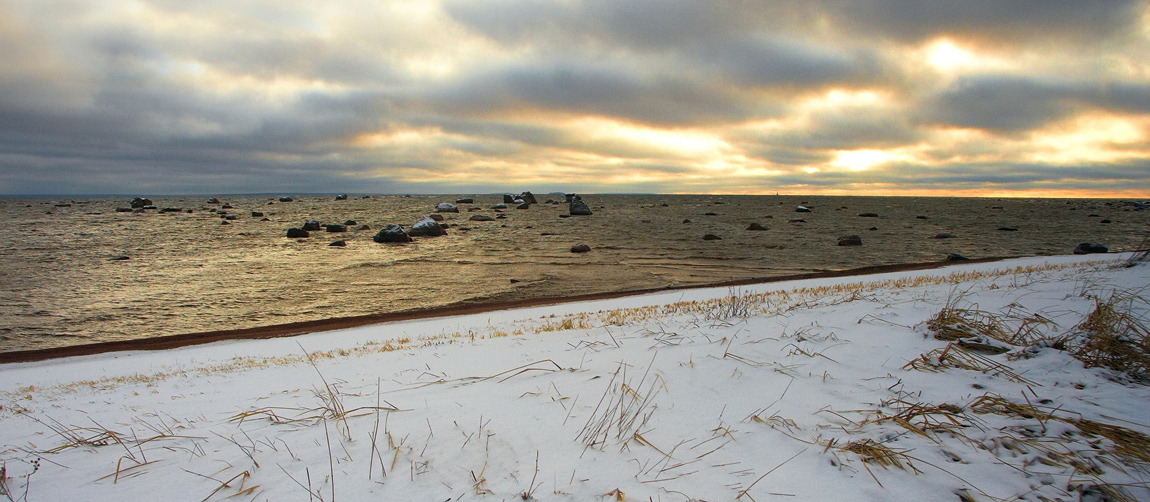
point(927, 97)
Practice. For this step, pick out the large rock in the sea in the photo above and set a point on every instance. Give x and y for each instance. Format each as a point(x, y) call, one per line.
point(426, 227)
point(436, 217)
point(580, 248)
point(311, 226)
point(296, 232)
point(446, 207)
point(481, 217)
point(213, 200)
point(508, 198)
point(1090, 248)
point(850, 240)
point(341, 196)
point(139, 202)
point(339, 244)
point(579, 208)
point(802, 209)
point(523, 205)
point(333, 228)
point(392, 233)
point(465, 200)
point(285, 199)
point(528, 197)
point(499, 206)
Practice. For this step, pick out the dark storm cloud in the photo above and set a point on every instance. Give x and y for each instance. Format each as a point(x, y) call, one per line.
point(1013, 104)
point(654, 25)
point(580, 88)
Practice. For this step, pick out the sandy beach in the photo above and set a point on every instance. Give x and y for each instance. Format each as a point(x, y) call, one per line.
point(970, 382)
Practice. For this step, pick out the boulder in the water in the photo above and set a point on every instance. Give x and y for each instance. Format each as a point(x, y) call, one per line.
point(481, 217)
point(712, 237)
point(499, 206)
point(350, 223)
point(123, 209)
point(341, 196)
point(392, 233)
point(523, 205)
point(508, 198)
point(580, 248)
point(339, 243)
point(333, 228)
point(140, 202)
point(426, 227)
point(257, 214)
point(465, 200)
point(446, 207)
point(868, 215)
point(956, 257)
point(296, 233)
point(311, 226)
point(943, 236)
point(528, 197)
point(1090, 248)
point(850, 240)
point(802, 209)
point(436, 217)
point(756, 226)
point(213, 200)
point(579, 208)
point(285, 199)
point(1007, 229)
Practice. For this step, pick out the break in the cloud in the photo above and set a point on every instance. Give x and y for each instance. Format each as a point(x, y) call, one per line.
point(1032, 97)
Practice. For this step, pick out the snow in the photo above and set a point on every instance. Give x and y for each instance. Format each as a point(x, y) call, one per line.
point(765, 392)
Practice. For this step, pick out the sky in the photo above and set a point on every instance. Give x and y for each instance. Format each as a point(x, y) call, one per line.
point(1027, 98)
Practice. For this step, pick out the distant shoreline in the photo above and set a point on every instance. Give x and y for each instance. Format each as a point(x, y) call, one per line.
point(455, 309)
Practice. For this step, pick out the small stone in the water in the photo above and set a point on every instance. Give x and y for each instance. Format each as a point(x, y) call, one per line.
point(580, 248)
point(955, 257)
point(850, 240)
point(339, 243)
point(1007, 229)
point(712, 237)
point(756, 226)
point(119, 258)
point(943, 236)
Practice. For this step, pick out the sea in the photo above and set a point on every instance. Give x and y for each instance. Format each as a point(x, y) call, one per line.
point(82, 270)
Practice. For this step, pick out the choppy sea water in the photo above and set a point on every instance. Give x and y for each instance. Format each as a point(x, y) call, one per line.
point(75, 271)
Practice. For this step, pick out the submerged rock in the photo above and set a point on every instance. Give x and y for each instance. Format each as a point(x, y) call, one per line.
point(580, 248)
point(956, 257)
point(850, 240)
point(712, 237)
point(1090, 248)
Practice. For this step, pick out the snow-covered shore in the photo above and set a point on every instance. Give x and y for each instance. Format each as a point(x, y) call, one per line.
point(806, 390)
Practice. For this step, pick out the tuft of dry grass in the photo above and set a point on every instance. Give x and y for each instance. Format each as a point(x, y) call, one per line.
point(955, 355)
point(1114, 335)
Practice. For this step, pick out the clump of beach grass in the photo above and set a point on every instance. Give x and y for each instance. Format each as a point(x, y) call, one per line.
point(1114, 335)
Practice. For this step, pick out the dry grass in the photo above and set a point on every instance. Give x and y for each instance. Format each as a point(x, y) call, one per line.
point(1115, 336)
point(623, 410)
point(955, 355)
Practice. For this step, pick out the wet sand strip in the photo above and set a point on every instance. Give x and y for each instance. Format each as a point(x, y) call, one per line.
point(462, 308)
